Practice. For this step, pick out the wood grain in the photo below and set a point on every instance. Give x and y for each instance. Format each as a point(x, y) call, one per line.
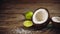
point(11, 14)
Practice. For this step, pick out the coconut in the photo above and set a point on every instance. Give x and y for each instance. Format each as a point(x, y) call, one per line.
point(56, 22)
point(41, 18)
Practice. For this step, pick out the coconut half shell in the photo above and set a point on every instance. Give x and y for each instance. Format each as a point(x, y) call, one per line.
point(41, 18)
point(55, 22)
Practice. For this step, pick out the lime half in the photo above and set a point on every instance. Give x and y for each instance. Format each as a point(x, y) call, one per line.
point(27, 23)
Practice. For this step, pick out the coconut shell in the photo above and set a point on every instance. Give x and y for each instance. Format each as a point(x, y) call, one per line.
point(55, 24)
point(43, 25)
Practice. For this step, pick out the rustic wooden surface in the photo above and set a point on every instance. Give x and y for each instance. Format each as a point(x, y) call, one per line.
point(11, 14)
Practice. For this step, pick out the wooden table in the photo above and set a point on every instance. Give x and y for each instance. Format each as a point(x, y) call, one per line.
point(11, 16)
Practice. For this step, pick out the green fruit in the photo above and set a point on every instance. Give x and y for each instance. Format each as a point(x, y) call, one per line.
point(29, 15)
point(27, 23)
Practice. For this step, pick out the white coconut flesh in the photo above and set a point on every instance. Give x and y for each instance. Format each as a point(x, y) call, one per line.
point(40, 16)
point(56, 19)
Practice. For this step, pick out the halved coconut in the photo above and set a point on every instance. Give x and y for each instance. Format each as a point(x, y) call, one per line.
point(56, 22)
point(41, 17)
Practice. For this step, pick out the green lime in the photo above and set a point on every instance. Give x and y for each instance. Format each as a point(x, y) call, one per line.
point(28, 14)
point(27, 23)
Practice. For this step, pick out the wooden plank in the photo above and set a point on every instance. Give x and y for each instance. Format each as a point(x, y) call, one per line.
point(54, 14)
point(11, 16)
point(22, 8)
